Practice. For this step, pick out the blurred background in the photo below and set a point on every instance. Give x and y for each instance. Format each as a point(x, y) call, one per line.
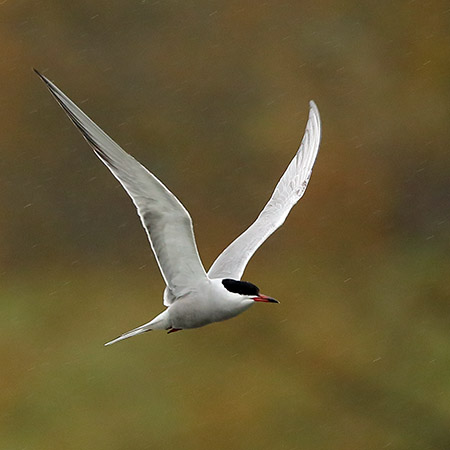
point(212, 96)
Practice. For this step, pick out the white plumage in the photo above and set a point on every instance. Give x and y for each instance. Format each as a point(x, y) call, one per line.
point(194, 298)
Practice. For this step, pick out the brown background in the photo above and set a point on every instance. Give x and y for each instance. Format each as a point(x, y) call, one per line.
point(212, 96)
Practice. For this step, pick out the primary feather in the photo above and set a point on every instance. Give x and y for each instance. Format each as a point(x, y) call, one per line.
point(165, 219)
point(232, 261)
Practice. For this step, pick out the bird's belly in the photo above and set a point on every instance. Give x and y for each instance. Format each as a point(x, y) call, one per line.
point(185, 313)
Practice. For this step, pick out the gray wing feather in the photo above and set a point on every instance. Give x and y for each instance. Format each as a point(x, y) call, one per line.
point(166, 221)
point(232, 261)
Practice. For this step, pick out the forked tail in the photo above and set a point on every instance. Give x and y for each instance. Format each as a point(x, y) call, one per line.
point(160, 322)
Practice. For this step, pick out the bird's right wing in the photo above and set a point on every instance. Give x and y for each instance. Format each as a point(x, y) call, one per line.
point(166, 221)
point(232, 261)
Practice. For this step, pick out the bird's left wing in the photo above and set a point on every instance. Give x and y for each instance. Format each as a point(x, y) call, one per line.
point(166, 221)
point(232, 261)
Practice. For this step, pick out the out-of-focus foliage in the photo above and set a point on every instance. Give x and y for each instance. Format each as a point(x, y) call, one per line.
point(212, 96)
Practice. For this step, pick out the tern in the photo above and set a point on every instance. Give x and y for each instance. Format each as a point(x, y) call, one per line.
point(192, 297)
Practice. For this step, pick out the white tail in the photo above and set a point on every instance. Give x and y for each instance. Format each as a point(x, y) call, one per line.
point(160, 322)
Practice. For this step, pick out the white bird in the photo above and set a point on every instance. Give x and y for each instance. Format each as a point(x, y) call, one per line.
point(194, 298)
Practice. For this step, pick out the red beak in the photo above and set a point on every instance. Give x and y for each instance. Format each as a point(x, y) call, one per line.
point(265, 299)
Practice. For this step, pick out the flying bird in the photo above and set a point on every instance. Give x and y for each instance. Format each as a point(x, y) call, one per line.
point(194, 298)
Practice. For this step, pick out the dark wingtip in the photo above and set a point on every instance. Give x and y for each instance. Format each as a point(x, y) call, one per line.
point(38, 73)
point(42, 77)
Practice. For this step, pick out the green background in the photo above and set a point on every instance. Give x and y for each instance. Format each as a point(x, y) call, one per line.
point(212, 96)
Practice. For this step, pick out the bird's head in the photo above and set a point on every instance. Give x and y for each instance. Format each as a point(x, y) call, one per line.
point(247, 291)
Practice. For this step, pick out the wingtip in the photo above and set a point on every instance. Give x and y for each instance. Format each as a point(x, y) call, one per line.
point(42, 77)
point(37, 72)
point(312, 105)
point(314, 113)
